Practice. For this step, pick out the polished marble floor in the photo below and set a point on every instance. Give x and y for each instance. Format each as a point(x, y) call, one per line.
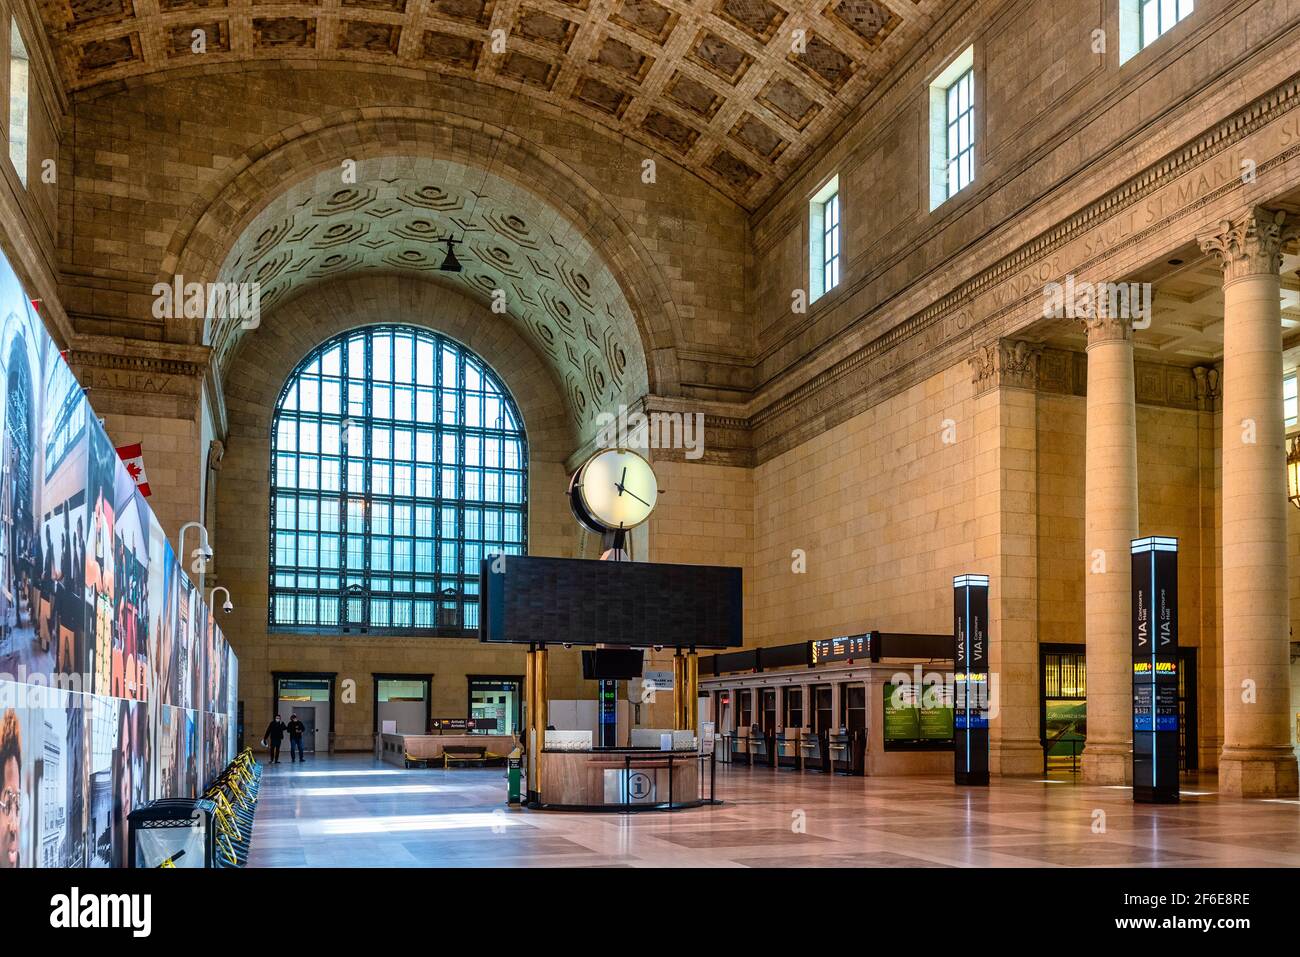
point(352, 810)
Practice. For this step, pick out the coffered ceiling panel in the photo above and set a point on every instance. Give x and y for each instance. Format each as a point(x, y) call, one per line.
point(739, 91)
point(516, 252)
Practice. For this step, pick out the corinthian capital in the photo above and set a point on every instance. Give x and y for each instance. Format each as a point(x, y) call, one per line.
point(1108, 328)
point(1005, 363)
point(1252, 244)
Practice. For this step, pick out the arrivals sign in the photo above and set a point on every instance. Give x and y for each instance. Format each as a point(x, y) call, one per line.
point(1155, 670)
point(971, 679)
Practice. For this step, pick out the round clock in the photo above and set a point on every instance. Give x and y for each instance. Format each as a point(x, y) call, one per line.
point(613, 490)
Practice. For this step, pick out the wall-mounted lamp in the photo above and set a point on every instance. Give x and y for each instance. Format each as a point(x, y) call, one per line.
point(226, 606)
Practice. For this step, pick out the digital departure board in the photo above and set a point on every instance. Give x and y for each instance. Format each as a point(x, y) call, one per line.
point(822, 650)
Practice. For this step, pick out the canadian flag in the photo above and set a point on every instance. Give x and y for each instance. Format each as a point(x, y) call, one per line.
point(133, 458)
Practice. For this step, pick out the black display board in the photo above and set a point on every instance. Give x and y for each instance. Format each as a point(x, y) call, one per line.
point(527, 599)
point(971, 679)
point(1155, 670)
point(823, 650)
point(614, 664)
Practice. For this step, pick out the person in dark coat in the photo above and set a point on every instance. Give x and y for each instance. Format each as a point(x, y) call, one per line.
point(273, 737)
point(296, 730)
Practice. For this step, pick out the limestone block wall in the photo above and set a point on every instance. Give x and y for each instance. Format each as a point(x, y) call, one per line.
point(144, 154)
point(887, 513)
point(1094, 122)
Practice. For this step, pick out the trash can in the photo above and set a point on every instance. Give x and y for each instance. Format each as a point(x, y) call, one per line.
point(172, 832)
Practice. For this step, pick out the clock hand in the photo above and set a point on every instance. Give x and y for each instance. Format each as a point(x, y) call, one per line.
point(637, 497)
point(623, 478)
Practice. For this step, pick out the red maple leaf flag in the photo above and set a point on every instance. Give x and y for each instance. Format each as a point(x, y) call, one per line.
point(133, 458)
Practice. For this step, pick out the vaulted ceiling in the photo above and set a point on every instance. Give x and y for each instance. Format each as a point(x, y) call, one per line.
point(730, 88)
point(516, 251)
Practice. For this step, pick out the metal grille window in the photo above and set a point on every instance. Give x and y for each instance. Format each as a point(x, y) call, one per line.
point(398, 460)
point(961, 132)
point(1158, 17)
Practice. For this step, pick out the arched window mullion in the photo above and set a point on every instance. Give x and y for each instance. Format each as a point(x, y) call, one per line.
point(414, 510)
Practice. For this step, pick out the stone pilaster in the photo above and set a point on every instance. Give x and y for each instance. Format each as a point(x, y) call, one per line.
point(150, 392)
point(1257, 759)
point(1006, 407)
point(1110, 525)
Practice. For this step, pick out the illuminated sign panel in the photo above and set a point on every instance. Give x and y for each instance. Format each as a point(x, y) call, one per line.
point(971, 679)
point(823, 650)
point(1155, 670)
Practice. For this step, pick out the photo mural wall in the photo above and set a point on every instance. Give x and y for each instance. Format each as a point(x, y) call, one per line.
point(116, 684)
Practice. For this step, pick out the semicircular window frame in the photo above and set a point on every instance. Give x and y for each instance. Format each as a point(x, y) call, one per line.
point(388, 540)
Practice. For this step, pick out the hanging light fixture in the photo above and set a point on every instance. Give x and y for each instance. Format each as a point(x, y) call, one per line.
point(449, 262)
point(1293, 470)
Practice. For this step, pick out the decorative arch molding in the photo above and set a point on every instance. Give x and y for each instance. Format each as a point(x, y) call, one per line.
point(227, 205)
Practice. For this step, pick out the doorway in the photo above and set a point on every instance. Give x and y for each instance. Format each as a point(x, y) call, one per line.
point(498, 697)
point(304, 693)
point(405, 700)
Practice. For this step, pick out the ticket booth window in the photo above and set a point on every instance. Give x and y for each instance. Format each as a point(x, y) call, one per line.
point(746, 708)
point(769, 709)
point(822, 714)
point(853, 707)
point(794, 707)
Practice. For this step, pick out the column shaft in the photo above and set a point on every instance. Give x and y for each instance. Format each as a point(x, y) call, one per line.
point(1111, 523)
point(1258, 759)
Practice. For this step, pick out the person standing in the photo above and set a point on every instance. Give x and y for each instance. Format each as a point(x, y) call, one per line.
point(273, 737)
point(296, 730)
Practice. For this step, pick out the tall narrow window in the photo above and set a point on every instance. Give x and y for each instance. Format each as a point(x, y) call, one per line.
point(1158, 17)
point(398, 461)
point(961, 132)
point(19, 79)
point(831, 242)
point(1291, 399)
point(824, 240)
point(952, 129)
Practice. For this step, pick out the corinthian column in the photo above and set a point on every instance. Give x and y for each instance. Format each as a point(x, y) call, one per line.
point(1257, 758)
point(1111, 521)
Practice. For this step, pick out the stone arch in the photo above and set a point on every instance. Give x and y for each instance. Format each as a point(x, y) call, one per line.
point(296, 326)
point(225, 207)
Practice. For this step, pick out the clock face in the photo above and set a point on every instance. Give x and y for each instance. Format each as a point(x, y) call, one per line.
point(618, 488)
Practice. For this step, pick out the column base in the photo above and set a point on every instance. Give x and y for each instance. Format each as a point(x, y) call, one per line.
point(1016, 758)
point(1258, 773)
point(1107, 764)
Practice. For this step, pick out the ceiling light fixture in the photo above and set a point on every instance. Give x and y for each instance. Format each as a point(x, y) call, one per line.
point(449, 262)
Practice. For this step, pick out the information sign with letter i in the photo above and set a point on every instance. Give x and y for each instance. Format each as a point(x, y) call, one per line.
point(1155, 670)
point(971, 679)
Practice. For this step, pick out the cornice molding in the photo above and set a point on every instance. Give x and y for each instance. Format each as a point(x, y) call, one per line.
point(785, 420)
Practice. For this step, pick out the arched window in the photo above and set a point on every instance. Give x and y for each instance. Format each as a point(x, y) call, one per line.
point(398, 460)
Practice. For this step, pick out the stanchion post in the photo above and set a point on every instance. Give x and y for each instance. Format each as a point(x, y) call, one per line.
point(679, 675)
point(540, 692)
point(530, 727)
point(691, 694)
